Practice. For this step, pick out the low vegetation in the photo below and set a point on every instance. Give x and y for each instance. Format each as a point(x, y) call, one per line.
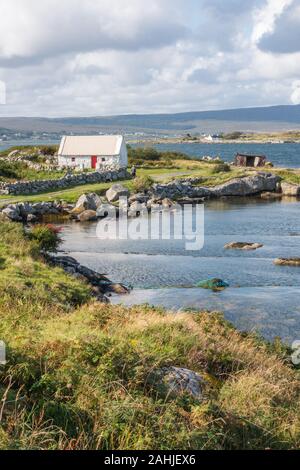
point(46, 235)
point(19, 170)
point(77, 371)
point(151, 158)
point(41, 150)
point(142, 183)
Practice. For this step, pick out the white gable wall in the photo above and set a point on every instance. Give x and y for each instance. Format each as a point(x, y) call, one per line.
point(123, 155)
point(80, 162)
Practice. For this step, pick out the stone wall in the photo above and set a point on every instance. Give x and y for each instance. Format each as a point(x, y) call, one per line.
point(40, 186)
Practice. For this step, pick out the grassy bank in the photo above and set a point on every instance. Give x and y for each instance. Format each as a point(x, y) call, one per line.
point(77, 371)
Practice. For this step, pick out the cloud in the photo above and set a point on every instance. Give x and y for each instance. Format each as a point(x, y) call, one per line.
point(295, 96)
point(104, 57)
point(31, 30)
point(285, 34)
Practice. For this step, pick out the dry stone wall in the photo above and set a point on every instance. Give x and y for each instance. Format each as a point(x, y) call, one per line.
point(40, 186)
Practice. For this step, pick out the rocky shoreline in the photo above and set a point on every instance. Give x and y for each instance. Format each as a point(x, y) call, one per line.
point(91, 207)
point(102, 287)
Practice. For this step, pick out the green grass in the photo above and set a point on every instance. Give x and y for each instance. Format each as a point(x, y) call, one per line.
point(77, 372)
point(17, 171)
point(290, 176)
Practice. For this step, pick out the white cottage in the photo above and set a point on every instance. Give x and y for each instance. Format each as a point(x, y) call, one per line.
point(93, 152)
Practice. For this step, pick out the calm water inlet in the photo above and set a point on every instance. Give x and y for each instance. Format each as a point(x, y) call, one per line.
point(261, 296)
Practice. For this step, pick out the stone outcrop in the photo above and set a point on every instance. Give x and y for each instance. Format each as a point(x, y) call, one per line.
point(248, 186)
point(288, 189)
point(40, 186)
point(174, 381)
point(243, 246)
point(287, 262)
point(115, 192)
point(188, 188)
point(87, 216)
point(26, 212)
point(88, 202)
point(101, 285)
point(180, 188)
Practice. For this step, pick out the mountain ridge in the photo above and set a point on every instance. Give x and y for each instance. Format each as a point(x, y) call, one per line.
point(237, 118)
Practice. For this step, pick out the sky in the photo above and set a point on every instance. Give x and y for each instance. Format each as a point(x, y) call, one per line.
point(108, 57)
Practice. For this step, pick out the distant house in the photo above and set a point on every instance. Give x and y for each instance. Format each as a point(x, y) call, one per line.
point(93, 152)
point(208, 138)
point(253, 161)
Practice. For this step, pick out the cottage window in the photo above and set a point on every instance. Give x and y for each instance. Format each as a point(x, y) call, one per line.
point(103, 159)
point(73, 159)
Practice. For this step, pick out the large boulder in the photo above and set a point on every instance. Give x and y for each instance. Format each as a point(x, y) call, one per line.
point(174, 381)
point(115, 192)
point(247, 186)
point(87, 216)
point(288, 189)
point(136, 209)
point(87, 202)
point(12, 212)
point(107, 210)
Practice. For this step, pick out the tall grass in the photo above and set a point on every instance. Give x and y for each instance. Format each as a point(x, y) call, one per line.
point(77, 375)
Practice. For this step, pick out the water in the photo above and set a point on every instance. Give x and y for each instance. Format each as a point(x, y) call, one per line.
point(261, 296)
point(282, 155)
point(30, 142)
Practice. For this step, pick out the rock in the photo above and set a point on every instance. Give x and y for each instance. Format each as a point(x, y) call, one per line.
point(87, 216)
point(115, 192)
point(118, 289)
point(288, 189)
point(137, 209)
point(243, 246)
point(287, 262)
point(12, 212)
point(247, 186)
point(25, 208)
point(107, 210)
point(31, 218)
point(213, 284)
point(86, 202)
point(167, 203)
point(140, 197)
point(174, 381)
point(271, 195)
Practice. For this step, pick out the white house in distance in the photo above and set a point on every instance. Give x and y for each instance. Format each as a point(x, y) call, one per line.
point(93, 152)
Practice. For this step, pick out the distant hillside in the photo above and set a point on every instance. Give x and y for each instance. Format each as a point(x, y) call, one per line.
point(264, 118)
point(160, 121)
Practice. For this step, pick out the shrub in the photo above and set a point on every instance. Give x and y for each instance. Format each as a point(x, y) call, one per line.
point(7, 170)
point(221, 168)
point(48, 150)
point(142, 156)
point(233, 135)
point(47, 236)
point(142, 183)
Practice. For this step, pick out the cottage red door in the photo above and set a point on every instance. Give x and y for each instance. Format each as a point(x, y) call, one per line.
point(94, 163)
